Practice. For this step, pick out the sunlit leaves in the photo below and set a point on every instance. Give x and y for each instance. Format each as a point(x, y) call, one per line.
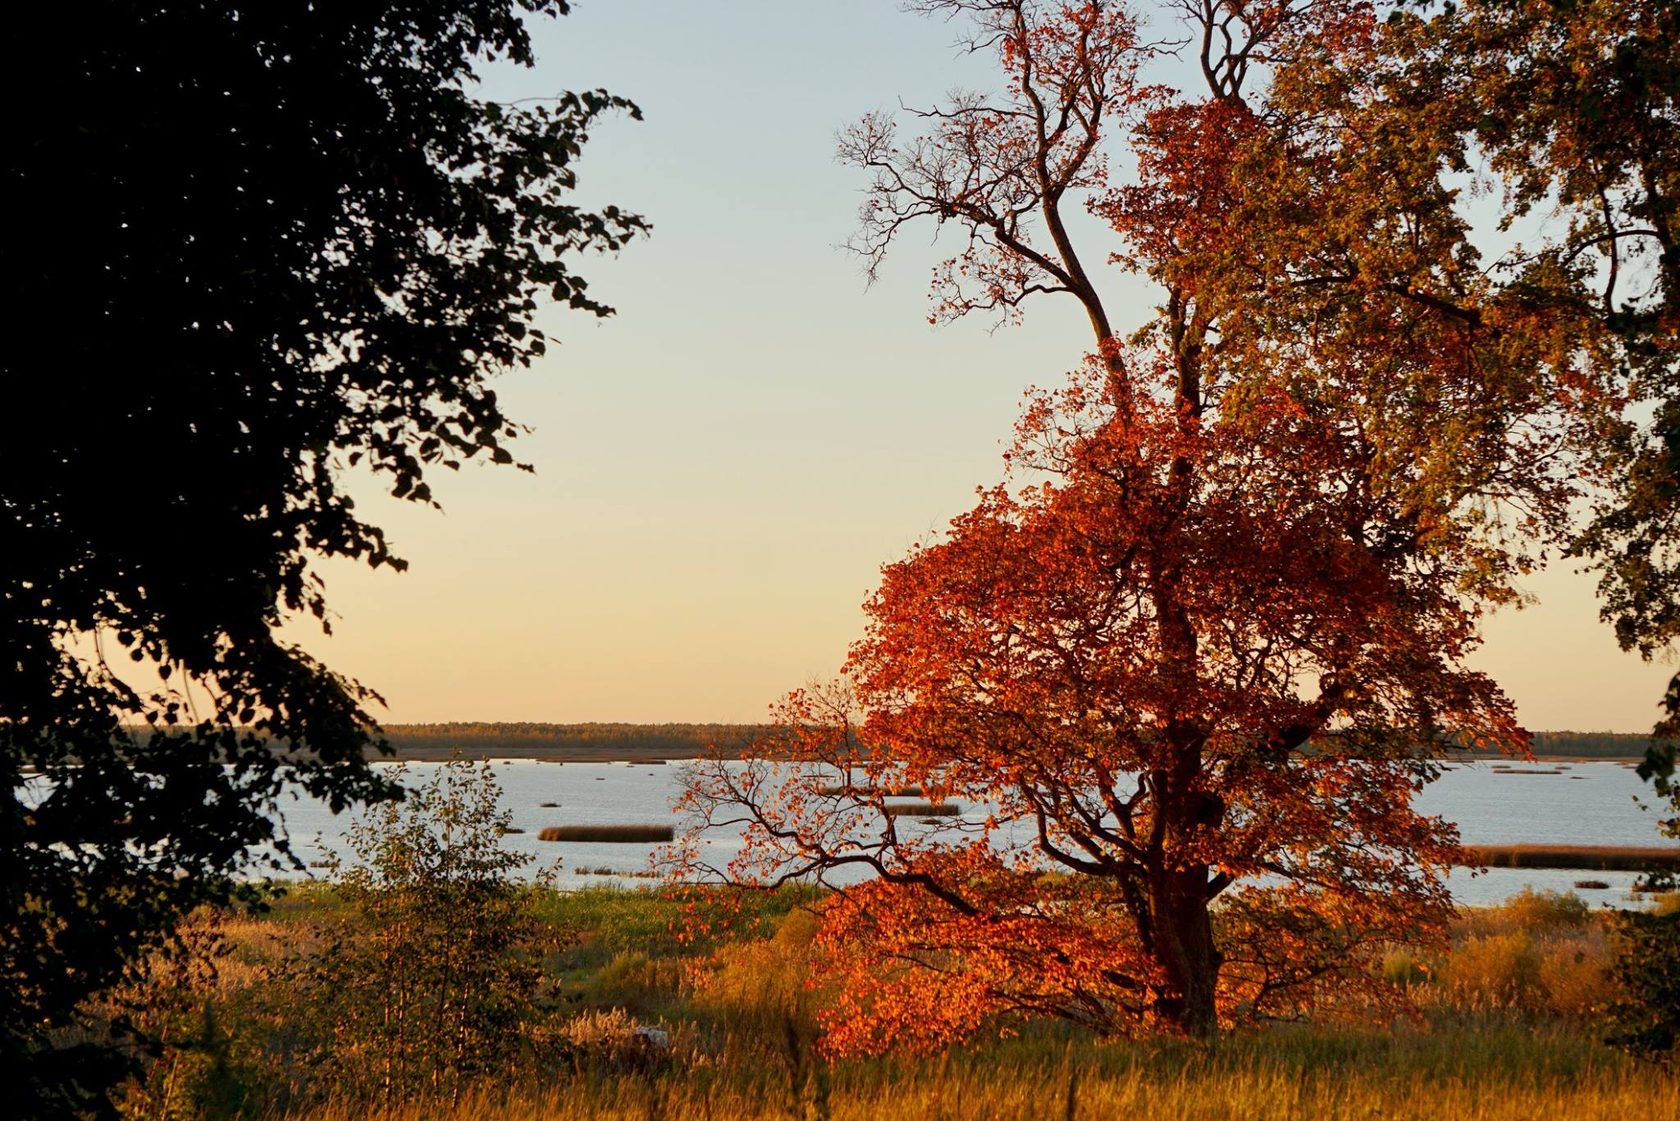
point(1191, 661)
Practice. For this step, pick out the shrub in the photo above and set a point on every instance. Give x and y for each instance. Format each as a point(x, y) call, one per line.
point(1493, 971)
point(432, 976)
point(755, 992)
point(1529, 910)
point(1540, 953)
point(1575, 977)
point(1646, 1022)
point(1403, 966)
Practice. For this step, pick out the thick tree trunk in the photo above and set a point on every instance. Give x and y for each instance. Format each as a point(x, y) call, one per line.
point(1185, 948)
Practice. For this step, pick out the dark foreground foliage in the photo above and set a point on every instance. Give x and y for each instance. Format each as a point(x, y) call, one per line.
point(1647, 1020)
point(263, 243)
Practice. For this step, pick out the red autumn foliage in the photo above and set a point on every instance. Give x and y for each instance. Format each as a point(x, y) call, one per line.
point(1123, 671)
point(1189, 664)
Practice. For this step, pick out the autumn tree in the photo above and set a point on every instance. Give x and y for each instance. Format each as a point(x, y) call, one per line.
point(1574, 111)
point(1189, 663)
point(259, 246)
point(1570, 112)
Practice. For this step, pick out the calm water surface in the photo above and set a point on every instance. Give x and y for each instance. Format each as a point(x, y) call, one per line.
point(1587, 804)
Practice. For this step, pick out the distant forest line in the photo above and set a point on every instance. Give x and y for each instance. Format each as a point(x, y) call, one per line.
point(602, 742)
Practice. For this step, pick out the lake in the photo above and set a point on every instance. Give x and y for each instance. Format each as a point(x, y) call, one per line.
point(1585, 804)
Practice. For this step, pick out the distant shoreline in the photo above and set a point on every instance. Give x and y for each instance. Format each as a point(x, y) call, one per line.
point(653, 743)
point(1542, 760)
point(584, 755)
point(538, 754)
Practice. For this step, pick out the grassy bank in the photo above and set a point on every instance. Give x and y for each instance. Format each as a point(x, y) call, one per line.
point(1507, 1026)
point(1468, 1073)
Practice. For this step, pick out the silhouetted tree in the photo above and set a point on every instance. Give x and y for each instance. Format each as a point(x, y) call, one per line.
point(253, 246)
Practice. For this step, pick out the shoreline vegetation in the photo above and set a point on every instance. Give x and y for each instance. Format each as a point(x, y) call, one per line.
point(658, 1006)
point(658, 743)
point(1596, 858)
point(427, 984)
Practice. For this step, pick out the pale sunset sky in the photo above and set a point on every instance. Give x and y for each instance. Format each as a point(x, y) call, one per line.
point(722, 468)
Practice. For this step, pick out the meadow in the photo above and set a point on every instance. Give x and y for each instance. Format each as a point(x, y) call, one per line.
point(1506, 1026)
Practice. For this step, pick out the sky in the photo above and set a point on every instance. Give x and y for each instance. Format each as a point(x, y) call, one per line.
point(722, 467)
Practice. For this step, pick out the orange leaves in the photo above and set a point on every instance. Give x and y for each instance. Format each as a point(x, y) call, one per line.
point(917, 975)
point(1179, 664)
point(1182, 196)
point(1185, 668)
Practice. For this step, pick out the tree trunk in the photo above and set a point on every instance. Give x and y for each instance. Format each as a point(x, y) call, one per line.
point(1185, 948)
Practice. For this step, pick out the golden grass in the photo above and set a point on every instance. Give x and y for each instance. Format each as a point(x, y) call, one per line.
point(616, 834)
point(1540, 956)
point(1032, 1081)
point(1597, 858)
point(1509, 1030)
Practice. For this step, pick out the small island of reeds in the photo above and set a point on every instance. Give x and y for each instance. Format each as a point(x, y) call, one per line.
point(611, 834)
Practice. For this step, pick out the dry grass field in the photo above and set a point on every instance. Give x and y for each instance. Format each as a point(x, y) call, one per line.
point(1505, 1028)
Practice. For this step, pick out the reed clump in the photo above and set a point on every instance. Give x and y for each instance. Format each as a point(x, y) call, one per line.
point(841, 790)
point(611, 834)
point(1538, 956)
point(1593, 858)
point(921, 809)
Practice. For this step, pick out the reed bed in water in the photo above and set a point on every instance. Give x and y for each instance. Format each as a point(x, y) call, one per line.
point(1597, 858)
point(619, 834)
point(921, 809)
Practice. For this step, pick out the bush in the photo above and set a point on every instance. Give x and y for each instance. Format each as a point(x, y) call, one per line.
point(1538, 912)
point(1539, 954)
point(1493, 971)
point(756, 995)
point(1646, 1022)
point(433, 975)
